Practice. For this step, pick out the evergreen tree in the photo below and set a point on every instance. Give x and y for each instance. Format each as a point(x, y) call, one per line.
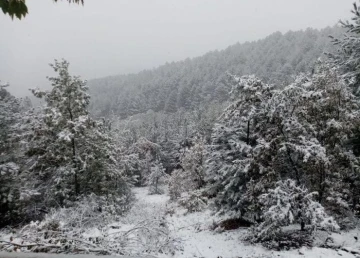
point(229, 154)
point(170, 104)
point(19, 9)
point(10, 206)
point(9, 109)
point(348, 55)
point(72, 153)
point(303, 132)
point(288, 204)
point(156, 178)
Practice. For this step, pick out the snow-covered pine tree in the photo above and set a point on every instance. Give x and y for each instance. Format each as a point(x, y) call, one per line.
point(287, 204)
point(229, 155)
point(10, 206)
point(156, 178)
point(332, 111)
point(72, 154)
point(306, 138)
point(304, 132)
point(177, 184)
point(318, 117)
point(348, 55)
point(191, 175)
point(146, 153)
point(9, 109)
point(192, 161)
point(170, 104)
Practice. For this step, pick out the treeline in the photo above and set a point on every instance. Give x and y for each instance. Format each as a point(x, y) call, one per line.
point(190, 83)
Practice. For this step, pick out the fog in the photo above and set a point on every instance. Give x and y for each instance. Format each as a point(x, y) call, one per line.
point(112, 37)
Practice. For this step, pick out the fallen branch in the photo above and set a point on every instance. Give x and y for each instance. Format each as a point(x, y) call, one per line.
point(29, 245)
point(342, 248)
point(78, 249)
point(350, 250)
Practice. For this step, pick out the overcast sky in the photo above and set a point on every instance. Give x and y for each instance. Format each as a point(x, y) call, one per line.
point(109, 37)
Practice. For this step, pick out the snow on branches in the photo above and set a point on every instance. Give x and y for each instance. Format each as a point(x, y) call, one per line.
point(288, 204)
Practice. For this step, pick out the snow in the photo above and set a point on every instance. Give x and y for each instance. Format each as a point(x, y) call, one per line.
point(198, 240)
point(93, 232)
point(347, 239)
point(142, 195)
point(195, 238)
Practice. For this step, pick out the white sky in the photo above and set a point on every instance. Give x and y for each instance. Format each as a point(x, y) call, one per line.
point(108, 37)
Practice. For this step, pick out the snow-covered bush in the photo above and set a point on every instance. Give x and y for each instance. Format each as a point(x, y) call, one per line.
point(90, 211)
point(96, 226)
point(191, 177)
point(156, 179)
point(192, 163)
point(176, 184)
point(194, 201)
point(289, 204)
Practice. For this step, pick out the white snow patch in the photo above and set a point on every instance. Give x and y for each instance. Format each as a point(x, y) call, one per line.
point(197, 240)
point(93, 232)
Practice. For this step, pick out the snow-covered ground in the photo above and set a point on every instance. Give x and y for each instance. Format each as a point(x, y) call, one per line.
point(197, 240)
point(191, 236)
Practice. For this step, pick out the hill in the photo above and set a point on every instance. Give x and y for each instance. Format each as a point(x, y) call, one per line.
point(193, 82)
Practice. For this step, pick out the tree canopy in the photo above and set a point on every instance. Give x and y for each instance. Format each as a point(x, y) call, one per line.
point(19, 9)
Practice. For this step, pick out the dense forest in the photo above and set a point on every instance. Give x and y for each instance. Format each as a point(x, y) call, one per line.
point(194, 82)
point(263, 135)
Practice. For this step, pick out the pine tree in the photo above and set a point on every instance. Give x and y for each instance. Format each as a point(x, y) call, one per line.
point(156, 178)
point(11, 209)
point(170, 104)
point(192, 161)
point(229, 156)
point(288, 204)
point(348, 55)
point(304, 132)
point(9, 109)
point(71, 152)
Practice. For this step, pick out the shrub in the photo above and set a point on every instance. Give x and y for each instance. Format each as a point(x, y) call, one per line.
point(193, 201)
point(289, 204)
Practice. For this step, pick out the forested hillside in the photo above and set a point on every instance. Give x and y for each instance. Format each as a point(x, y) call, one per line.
point(193, 82)
point(243, 150)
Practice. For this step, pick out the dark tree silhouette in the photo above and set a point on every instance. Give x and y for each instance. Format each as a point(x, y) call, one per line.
point(18, 8)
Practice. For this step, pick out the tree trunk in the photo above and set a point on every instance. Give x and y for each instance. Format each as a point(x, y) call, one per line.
point(248, 133)
point(76, 182)
point(288, 152)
